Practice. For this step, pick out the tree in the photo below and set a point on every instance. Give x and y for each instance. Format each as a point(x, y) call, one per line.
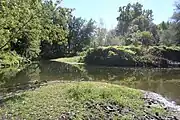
point(142, 23)
point(176, 22)
point(146, 38)
point(113, 39)
point(124, 19)
point(163, 25)
point(133, 15)
point(134, 22)
point(101, 33)
point(167, 33)
point(30, 27)
point(80, 34)
point(55, 29)
point(20, 26)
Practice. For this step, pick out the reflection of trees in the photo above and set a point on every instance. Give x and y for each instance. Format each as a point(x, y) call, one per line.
point(14, 79)
point(36, 73)
point(61, 71)
point(139, 74)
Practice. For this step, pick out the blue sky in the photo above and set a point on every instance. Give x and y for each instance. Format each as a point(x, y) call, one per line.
point(107, 9)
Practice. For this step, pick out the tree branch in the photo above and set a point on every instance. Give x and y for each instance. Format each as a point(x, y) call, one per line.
point(12, 35)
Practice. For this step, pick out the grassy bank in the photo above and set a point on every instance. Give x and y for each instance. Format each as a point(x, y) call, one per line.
point(76, 101)
point(69, 60)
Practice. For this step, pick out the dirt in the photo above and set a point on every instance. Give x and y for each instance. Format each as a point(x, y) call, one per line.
point(109, 110)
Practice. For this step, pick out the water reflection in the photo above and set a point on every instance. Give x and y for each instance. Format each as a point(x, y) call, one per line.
point(163, 81)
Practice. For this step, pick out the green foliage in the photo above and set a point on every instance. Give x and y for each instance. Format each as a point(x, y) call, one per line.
point(54, 35)
point(173, 27)
point(146, 38)
point(54, 22)
point(20, 27)
point(120, 56)
point(112, 39)
point(41, 29)
point(167, 33)
point(8, 59)
point(171, 53)
point(164, 25)
point(136, 26)
point(133, 56)
point(80, 34)
point(132, 15)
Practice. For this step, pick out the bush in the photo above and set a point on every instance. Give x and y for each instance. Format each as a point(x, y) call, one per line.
point(113, 56)
point(131, 56)
point(170, 53)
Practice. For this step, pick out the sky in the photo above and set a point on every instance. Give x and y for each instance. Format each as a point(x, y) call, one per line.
point(107, 10)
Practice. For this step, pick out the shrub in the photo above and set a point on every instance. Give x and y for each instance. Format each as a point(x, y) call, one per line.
point(130, 56)
point(114, 56)
point(170, 53)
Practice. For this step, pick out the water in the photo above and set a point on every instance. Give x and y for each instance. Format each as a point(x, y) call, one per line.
point(162, 81)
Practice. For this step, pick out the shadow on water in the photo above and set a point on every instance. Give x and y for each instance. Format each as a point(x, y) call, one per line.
point(12, 80)
point(163, 81)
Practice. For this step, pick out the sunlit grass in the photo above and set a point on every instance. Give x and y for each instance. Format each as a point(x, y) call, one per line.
point(49, 102)
point(69, 60)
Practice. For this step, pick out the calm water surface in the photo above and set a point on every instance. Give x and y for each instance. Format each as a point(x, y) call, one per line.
point(163, 81)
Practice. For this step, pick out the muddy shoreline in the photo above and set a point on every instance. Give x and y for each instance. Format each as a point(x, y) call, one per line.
point(153, 99)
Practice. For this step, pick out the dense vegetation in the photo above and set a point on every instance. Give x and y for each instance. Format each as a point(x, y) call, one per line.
point(38, 29)
point(131, 56)
point(33, 29)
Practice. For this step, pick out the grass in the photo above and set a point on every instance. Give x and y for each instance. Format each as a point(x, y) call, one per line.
point(52, 101)
point(69, 60)
point(128, 49)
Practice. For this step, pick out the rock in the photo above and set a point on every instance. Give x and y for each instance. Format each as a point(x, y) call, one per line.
point(155, 100)
point(161, 101)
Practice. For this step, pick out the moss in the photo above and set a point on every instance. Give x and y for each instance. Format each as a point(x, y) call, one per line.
point(52, 101)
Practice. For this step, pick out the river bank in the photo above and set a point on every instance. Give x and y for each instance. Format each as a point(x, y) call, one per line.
point(91, 100)
point(132, 56)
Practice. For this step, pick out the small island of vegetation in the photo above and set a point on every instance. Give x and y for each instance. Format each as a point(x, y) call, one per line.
point(84, 100)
